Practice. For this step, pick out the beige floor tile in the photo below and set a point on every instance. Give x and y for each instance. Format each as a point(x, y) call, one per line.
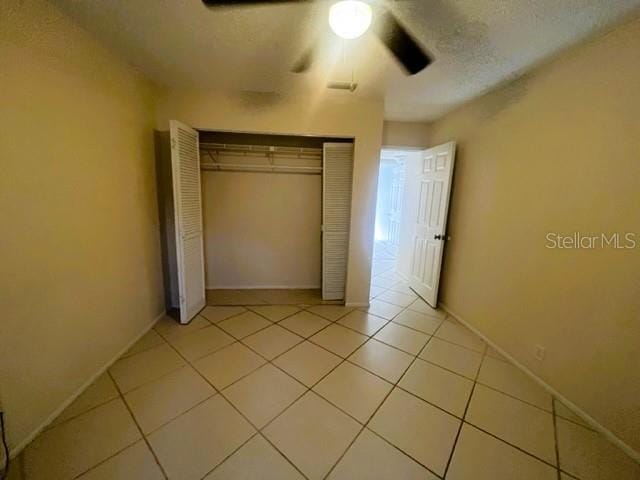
point(383, 282)
point(275, 313)
point(509, 379)
point(402, 337)
point(372, 458)
point(327, 432)
point(147, 341)
point(452, 357)
point(438, 386)
point(101, 391)
point(330, 312)
point(135, 462)
point(136, 370)
point(339, 340)
point(354, 390)
point(167, 327)
point(479, 456)
point(397, 298)
point(363, 322)
point(375, 291)
point(244, 324)
point(272, 341)
point(75, 446)
point(304, 323)
point(589, 456)
point(383, 360)
point(403, 287)
point(203, 342)
point(217, 314)
point(157, 402)
point(567, 414)
point(514, 421)
point(225, 366)
point(382, 309)
point(256, 460)
point(423, 307)
point(264, 394)
point(307, 362)
point(418, 321)
point(456, 333)
point(422, 431)
point(391, 275)
point(194, 443)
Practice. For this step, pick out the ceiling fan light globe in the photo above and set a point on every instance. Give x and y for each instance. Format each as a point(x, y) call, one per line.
point(349, 19)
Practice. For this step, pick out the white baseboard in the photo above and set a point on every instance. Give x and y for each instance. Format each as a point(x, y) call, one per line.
point(263, 287)
point(568, 403)
point(29, 438)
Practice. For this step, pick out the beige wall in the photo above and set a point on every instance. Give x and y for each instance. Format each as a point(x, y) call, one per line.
point(328, 115)
point(79, 251)
point(558, 151)
point(406, 134)
point(262, 230)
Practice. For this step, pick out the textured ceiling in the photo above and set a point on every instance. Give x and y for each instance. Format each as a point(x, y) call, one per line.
point(477, 45)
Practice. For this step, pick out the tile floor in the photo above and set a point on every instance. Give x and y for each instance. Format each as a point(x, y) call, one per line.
point(400, 391)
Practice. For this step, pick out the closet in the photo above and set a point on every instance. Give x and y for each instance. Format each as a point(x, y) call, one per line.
point(252, 211)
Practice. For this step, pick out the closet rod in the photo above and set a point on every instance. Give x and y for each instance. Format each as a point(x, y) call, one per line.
point(229, 167)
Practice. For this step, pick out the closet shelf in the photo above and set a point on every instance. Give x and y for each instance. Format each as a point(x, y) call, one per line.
point(260, 158)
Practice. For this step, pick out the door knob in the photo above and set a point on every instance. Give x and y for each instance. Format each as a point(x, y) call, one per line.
point(438, 237)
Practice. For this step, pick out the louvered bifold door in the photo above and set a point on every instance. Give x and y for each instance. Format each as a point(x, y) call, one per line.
point(185, 165)
point(336, 217)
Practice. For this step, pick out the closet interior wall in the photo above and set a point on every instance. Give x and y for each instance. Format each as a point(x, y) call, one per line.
point(262, 206)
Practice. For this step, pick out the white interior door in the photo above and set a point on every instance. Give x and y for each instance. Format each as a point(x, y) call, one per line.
point(185, 166)
point(337, 174)
point(432, 197)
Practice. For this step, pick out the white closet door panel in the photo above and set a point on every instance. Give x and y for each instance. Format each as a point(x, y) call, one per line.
point(336, 217)
point(185, 162)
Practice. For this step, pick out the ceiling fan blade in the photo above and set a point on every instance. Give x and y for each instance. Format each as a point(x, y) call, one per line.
point(241, 3)
point(304, 62)
point(403, 46)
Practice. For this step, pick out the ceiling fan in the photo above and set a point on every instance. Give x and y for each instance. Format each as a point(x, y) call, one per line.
point(350, 19)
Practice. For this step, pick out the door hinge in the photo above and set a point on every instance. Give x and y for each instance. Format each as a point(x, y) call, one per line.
point(173, 143)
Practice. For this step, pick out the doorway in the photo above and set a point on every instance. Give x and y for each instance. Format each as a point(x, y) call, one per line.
point(391, 182)
point(410, 227)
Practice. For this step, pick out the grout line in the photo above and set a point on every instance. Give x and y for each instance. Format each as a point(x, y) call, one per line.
point(101, 404)
point(546, 462)
point(144, 437)
point(550, 412)
point(259, 431)
point(464, 415)
point(376, 411)
point(103, 461)
point(219, 391)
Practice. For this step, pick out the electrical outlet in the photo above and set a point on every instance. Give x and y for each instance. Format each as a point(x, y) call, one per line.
point(539, 352)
